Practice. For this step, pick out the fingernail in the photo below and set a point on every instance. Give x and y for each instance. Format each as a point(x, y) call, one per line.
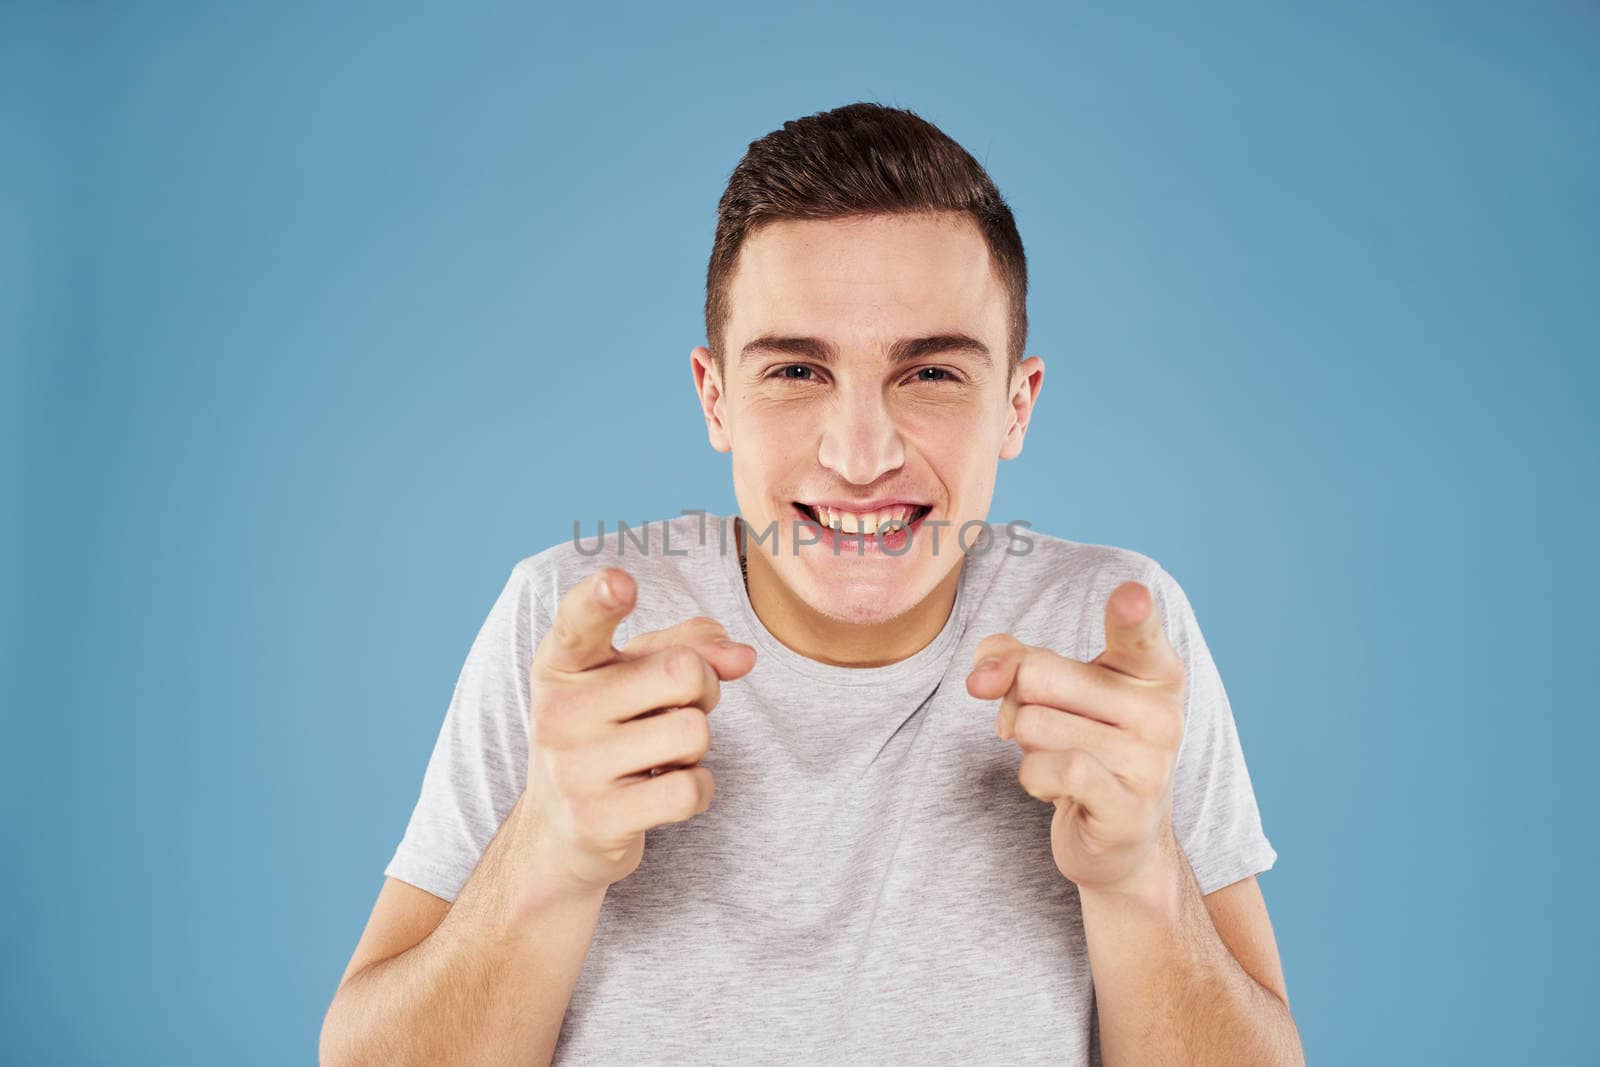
point(987, 665)
point(603, 593)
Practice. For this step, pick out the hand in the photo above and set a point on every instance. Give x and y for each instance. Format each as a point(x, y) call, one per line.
point(616, 736)
point(1099, 739)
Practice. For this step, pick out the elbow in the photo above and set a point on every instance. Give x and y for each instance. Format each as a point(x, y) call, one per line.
point(1294, 1053)
point(333, 1046)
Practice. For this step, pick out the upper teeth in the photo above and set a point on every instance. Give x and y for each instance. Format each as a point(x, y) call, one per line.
point(863, 522)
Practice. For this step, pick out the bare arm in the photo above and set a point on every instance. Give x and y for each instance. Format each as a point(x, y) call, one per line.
point(1170, 989)
point(489, 984)
point(615, 743)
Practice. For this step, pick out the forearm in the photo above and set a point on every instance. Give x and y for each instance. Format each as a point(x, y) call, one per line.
point(490, 984)
point(1167, 990)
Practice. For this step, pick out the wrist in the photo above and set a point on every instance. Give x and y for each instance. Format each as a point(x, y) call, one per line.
point(542, 879)
point(1153, 888)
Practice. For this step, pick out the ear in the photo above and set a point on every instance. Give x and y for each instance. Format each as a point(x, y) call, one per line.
point(708, 386)
point(1026, 381)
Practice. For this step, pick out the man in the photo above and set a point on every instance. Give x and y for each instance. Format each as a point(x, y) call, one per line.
point(876, 879)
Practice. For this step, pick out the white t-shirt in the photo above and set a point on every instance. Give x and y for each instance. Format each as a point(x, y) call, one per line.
point(871, 884)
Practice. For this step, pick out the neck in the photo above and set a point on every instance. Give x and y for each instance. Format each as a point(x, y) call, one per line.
point(841, 644)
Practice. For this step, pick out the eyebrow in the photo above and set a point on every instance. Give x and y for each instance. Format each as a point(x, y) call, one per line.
point(905, 350)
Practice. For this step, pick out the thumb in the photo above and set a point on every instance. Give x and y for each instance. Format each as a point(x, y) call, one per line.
point(994, 666)
point(1136, 643)
point(730, 659)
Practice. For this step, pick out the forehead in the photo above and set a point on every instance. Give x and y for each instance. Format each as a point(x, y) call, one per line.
point(866, 278)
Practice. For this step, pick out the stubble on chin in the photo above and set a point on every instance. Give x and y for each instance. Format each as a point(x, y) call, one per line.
point(857, 606)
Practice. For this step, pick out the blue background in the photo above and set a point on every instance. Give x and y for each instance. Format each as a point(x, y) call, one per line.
point(317, 320)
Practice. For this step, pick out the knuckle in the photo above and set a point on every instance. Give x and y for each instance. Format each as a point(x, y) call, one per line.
point(565, 634)
point(1172, 739)
point(1036, 676)
point(1027, 680)
point(1025, 723)
point(681, 665)
point(1151, 778)
point(688, 790)
point(705, 626)
point(1072, 771)
point(1029, 772)
point(560, 697)
point(1168, 727)
point(694, 732)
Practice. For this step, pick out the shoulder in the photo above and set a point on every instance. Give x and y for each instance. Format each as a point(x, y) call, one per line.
point(668, 558)
point(1057, 567)
point(1058, 587)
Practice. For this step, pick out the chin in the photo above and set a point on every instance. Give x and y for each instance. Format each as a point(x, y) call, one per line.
point(861, 614)
point(858, 606)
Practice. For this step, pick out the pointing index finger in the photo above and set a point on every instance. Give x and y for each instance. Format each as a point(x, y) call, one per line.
point(587, 617)
point(1136, 642)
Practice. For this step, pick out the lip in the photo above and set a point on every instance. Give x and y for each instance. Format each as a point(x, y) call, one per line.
point(861, 507)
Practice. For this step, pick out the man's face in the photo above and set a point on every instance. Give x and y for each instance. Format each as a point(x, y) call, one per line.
point(827, 399)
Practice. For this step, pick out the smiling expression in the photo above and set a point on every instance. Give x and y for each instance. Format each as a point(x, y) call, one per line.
point(865, 380)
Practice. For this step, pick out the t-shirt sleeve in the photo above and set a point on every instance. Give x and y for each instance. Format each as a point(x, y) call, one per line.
point(1214, 813)
point(480, 760)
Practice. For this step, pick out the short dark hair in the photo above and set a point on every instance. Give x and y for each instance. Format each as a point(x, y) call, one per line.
point(861, 159)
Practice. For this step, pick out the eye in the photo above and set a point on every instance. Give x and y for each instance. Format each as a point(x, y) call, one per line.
point(938, 374)
point(793, 372)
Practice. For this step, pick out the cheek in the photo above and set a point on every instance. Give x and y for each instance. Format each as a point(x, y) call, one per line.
point(775, 436)
point(767, 416)
point(958, 413)
point(958, 446)
point(768, 447)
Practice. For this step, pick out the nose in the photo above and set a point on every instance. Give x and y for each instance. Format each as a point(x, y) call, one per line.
point(860, 441)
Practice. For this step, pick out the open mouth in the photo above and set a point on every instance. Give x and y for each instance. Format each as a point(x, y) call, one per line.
point(902, 517)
